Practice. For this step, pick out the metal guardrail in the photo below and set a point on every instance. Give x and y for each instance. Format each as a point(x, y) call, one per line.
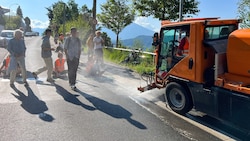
point(130, 50)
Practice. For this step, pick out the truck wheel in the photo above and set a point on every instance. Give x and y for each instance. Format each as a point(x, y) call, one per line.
point(178, 98)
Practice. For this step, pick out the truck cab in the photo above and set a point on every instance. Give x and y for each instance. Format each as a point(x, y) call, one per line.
point(197, 63)
point(208, 75)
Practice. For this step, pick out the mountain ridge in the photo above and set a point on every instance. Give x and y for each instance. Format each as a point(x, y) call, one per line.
point(131, 31)
point(144, 40)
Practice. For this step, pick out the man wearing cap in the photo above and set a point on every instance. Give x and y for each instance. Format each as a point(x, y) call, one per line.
point(72, 48)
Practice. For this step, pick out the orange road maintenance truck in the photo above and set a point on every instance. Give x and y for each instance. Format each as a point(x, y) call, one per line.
point(211, 75)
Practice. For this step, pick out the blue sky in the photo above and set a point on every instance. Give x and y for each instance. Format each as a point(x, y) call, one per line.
point(35, 10)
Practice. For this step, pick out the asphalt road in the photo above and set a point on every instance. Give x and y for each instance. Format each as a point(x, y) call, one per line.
point(106, 107)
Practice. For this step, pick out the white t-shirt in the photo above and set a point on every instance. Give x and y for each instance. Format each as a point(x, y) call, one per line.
point(97, 42)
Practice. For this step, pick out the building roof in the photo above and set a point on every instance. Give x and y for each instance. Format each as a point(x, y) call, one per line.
point(4, 10)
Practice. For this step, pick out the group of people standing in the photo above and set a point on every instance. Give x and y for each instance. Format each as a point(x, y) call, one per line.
point(95, 46)
point(72, 49)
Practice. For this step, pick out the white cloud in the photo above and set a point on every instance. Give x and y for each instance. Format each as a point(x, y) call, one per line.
point(39, 24)
point(148, 22)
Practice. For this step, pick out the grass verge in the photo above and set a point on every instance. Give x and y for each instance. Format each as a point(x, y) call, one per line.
point(145, 62)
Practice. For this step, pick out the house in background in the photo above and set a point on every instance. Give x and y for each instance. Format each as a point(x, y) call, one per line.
point(2, 12)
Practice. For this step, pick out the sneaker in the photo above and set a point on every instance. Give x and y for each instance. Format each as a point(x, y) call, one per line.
point(50, 80)
point(12, 85)
point(26, 84)
point(34, 74)
point(73, 87)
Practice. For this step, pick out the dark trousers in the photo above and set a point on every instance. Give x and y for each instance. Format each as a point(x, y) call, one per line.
point(72, 70)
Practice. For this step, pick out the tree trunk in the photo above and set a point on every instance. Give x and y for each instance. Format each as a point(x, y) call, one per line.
point(117, 40)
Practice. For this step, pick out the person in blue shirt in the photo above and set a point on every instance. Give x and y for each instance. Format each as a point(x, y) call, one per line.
point(17, 49)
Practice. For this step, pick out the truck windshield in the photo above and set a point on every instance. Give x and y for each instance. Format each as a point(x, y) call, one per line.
point(170, 41)
point(218, 32)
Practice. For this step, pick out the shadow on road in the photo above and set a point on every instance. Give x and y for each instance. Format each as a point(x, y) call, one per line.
point(32, 104)
point(113, 110)
point(67, 96)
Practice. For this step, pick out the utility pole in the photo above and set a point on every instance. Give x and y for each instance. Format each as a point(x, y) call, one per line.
point(94, 22)
point(180, 10)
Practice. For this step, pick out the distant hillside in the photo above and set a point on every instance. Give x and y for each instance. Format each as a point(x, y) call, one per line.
point(146, 41)
point(131, 31)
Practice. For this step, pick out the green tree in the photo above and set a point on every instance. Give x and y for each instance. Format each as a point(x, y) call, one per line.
point(50, 14)
point(60, 13)
point(165, 9)
point(81, 25)
point(244, 13)
point(60, 8)
point(73, 9)
point(81, 19)
point(27, 23)
point(17, 20)
point(116, 15)
point(19, 12)
point(107, 39)
point(86, 15)
point(14, 23)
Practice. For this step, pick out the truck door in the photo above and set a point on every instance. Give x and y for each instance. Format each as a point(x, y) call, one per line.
point(169, 47)
point(166, 49)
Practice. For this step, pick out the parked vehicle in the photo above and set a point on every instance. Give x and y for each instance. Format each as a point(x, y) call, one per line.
point(29, 34)
point(214, 77)
point(5, 36)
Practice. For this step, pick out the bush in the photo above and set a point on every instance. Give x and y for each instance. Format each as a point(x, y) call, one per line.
point(146, 62)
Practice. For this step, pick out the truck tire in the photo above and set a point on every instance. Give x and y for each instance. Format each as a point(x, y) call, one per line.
point(179, 100)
